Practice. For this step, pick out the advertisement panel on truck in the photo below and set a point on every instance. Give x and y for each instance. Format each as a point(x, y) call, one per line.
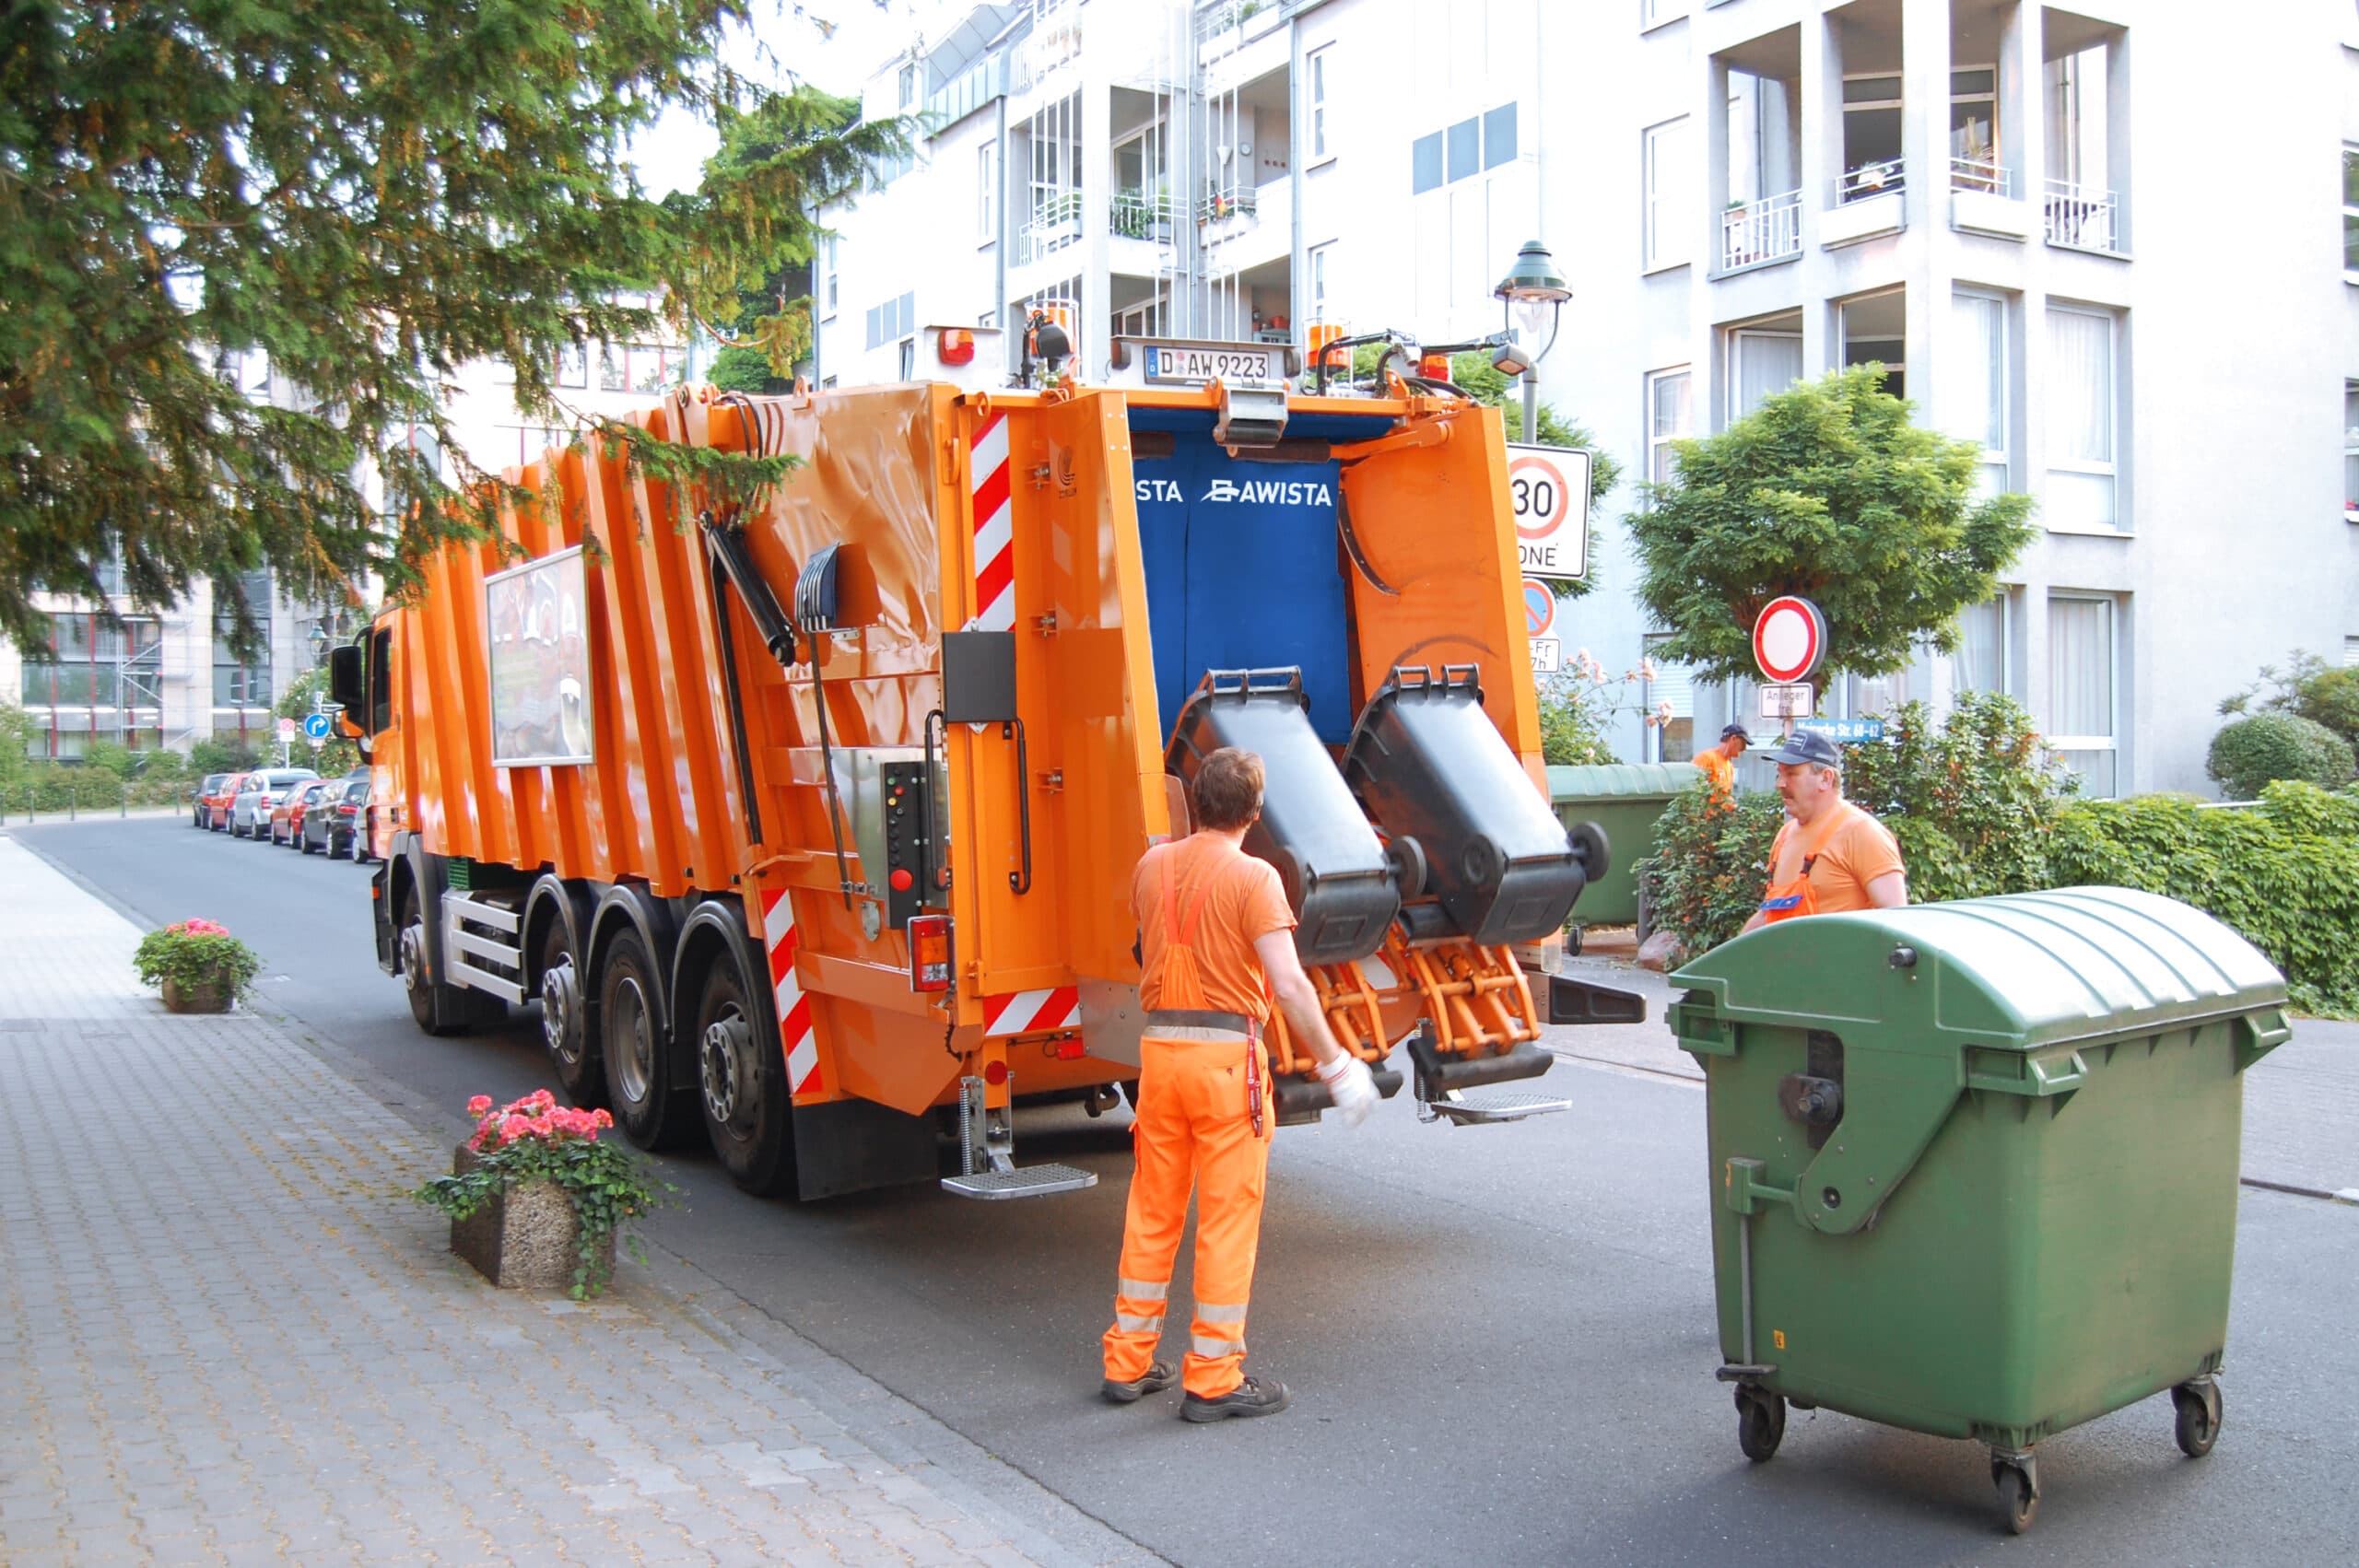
point(537, 625)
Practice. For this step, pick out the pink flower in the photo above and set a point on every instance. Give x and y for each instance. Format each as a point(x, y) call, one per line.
point(512, 1129)
point(476, 1107)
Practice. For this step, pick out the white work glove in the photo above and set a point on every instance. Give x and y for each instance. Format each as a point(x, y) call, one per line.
point(1351, 1086)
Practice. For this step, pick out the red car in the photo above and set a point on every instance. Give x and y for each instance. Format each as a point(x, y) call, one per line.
point(287, 815)
point(215, 803)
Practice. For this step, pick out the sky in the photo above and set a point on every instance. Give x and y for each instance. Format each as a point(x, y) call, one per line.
point(833, 44)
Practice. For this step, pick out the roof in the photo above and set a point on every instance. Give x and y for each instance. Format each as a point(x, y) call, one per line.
point(2018, 972)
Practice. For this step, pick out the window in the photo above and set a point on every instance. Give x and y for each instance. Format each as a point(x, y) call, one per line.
point(909, 359)
point(2351, 209)
point(1670, 697)
point(1320, 255)
point(1319, 103)
point(1870, 136)
point(2351, 451)
point(832, 293)
point(1465, 147)
point(614, 368)
point(1763, 359)
point(1670, 202)
point(1424, 164)
point(2079, 388)
point(986, 196)
point(909, 85)
point(1875, 332)
point(1984, 658)
point(1654, 13)
point(1976, 392)
point(573, 366)
point(237, 686)
point(1974, 131)
point(2083, 667)
point(2351, 652)
point(1499, 136)
point(1670, 416)
point(892, 320)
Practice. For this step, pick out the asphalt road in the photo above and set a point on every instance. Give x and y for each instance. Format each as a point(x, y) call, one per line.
point(1501, 1339)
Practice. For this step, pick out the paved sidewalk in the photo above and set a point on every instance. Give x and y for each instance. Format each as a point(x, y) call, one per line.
point(228, 1336)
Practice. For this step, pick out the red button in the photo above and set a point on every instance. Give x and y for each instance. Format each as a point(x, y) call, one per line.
point(901, 879)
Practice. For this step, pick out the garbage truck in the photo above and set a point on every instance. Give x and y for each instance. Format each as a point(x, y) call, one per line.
point(809, 822)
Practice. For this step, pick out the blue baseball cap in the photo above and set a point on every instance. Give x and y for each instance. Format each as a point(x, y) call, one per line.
point(1809, 745)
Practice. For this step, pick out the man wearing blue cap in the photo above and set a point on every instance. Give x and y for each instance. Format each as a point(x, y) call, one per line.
point(1830, 857)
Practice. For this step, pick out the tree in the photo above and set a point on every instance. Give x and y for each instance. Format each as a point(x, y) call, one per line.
point(306, 693)
point(365, 195)
point(1829, 491)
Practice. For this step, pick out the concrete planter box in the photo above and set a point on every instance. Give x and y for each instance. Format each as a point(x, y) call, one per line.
point(211, 995)
point(525, 1238)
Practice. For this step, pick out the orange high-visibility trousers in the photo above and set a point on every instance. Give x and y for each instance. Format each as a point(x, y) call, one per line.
point(1193, 1130)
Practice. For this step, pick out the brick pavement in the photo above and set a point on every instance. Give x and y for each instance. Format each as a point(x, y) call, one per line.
point(227, 1335)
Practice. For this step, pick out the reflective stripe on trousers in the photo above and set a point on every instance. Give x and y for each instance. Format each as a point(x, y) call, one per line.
point(1191, 1134)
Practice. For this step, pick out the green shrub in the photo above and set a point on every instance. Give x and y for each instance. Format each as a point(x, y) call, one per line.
point(2285, 874)
point(2250, 753)
point(1972, 800)
point(221, 756)
point(1710, 864)
point(2308, 687)
point(113, 756)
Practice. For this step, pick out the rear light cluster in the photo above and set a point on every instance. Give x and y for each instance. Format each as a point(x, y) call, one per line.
point(929, 953)
point(955, 347)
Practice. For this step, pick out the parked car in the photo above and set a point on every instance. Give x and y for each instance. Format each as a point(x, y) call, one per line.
point(200, 809)
point(218, 802)
point(332, 823)
point(250, 813)
point(286, 816)
point(364, 826)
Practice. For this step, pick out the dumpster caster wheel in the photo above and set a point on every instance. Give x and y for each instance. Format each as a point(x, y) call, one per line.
point(2016, 1474)
point(1760, 1423)
point(2198, 1416)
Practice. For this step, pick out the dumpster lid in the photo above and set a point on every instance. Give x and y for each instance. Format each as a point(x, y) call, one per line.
point(1605, 781)
point(2022, 971)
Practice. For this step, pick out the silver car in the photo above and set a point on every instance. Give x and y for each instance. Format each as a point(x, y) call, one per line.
point(250, 813)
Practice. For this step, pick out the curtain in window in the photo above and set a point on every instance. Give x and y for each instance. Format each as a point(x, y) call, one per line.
point(1766, 363)
point(1978, 393)
point(1667, 419)
point(2079, 387)
point(2080, 686)
point(1980, 664)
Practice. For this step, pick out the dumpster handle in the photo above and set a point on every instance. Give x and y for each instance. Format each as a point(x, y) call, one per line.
point(1021, 882)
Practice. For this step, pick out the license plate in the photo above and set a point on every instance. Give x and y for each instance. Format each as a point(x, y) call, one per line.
point(1198, 365)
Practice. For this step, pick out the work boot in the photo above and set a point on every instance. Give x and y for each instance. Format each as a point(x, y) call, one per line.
point(1158, 1378)
point(1251, 1398)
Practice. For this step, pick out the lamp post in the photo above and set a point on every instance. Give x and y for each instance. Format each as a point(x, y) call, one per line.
point(1532, 296)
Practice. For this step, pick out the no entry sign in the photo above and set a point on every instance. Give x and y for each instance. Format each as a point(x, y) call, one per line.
point(1789, 640)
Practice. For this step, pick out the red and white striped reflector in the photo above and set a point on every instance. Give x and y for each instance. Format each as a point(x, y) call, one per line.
point(1027, 1012)
point(794, 1026)
point(994, 530)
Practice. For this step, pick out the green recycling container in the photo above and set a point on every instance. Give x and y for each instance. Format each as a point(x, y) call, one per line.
point(1974, 1164)
point(1625, 799)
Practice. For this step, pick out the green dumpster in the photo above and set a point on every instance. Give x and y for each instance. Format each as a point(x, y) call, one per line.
point(1975, 1165)
point(1625, 800)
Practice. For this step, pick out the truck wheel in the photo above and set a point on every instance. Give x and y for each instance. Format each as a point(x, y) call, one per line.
point(741, 1073)
point(639, 1084)
point(410, 947)
point(573, 1055)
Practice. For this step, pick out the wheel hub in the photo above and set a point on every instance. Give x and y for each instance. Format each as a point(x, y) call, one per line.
point(560, 1006)
point(726, 1069)
point(413, 954)
point(635, 1063)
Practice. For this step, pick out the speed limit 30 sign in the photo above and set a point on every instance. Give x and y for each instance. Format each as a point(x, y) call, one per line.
point(1548, 489)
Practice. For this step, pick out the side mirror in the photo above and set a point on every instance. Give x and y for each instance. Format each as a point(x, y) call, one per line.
point(348, 678)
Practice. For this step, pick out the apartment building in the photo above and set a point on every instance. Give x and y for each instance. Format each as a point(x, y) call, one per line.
point(2094, 240)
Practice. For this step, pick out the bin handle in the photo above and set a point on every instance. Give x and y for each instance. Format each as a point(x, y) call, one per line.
point(2053, 1074)
point(2257, 1034)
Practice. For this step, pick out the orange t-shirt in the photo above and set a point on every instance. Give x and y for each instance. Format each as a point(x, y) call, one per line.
point(1718, 769)
point(1859, 850)
point(1247, 902)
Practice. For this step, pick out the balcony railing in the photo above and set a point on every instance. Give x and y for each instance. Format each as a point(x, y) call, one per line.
point(1141, 215)
point(2083, 216)
point(1217, 205)
point(1871, 179)
point(1054, 220)
point(1767, 231)
point(1985, 174)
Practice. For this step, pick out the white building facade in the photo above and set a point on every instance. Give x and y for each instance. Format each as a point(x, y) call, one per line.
point(2004, 203)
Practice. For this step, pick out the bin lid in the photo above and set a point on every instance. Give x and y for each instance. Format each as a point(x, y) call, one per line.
point(2018, 972)
point(1607, 780)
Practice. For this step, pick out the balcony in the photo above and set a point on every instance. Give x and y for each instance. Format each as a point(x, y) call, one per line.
point(2082, 218)
point(1755, 234)
point(1869, 181)
point(1983, 200)
point(1140, 215)
point(1226, 206)
point(1868, 203)
point(1053, 220)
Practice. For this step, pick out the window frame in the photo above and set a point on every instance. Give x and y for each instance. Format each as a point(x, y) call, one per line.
point(1316, 265)
point(987, 193)
point(2110, 743)
point(1659, 440)
point(2004, 600)
point(2001, 457)
point(832, 299)
point(2349, 214)
point(2111, 468)
point(1658, 251)
point(2350, 451)
point(1316, 131)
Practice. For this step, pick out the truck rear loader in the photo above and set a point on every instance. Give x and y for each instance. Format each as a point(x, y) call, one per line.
point(810, 824)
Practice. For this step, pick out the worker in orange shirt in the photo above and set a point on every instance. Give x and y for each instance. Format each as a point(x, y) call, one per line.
point(1216, 943)
point(1718, 763)
point(1830, 857)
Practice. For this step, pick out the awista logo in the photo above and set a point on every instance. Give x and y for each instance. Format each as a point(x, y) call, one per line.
point(1272, 492)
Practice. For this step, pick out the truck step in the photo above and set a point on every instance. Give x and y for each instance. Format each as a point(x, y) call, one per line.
point(1029, 1181)
point(1475, 1108)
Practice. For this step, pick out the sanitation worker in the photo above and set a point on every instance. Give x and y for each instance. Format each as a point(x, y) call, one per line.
point(1718, 763)
point(1830, 856)
point(1215, 944)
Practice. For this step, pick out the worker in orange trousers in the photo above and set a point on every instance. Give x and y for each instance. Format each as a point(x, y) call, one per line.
point(1217, 944)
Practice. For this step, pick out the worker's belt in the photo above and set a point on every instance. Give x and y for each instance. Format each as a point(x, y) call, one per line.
point(1203, 1018)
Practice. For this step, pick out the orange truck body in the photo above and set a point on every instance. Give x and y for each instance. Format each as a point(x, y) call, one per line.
point(701, 822)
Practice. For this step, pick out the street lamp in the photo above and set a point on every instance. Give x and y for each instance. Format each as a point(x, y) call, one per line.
point(319, 640)
point(1532, 296)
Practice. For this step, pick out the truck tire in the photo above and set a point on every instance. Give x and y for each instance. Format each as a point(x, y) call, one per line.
point(652, 1114)
point(565, 1025)
point(436, 1012)
point(741, 1078)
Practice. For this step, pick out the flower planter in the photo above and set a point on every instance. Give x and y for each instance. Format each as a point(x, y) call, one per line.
point(207, 996)
point(524, 1239)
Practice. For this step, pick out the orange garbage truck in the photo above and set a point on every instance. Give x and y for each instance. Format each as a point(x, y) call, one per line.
point(810, 826)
